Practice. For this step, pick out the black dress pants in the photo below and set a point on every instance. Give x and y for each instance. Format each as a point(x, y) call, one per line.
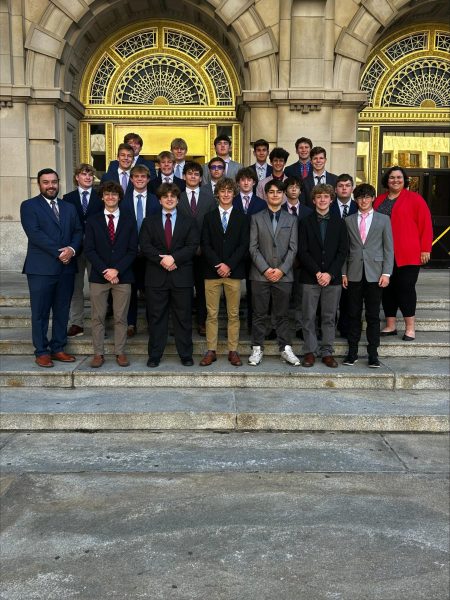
point(368, 294)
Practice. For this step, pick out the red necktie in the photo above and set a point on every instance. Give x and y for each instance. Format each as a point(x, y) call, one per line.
point(193, 204)
point(168, 230)
point(304, 170)
point(111, 231)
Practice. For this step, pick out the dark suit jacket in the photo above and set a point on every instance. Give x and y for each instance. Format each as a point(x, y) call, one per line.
point(46, 235)
point(102, 254)
point(185, 241)
point(294, 170)
point(95, 205)
point(315, 255)
point(206, 203)
point(268, 170)
point(230, 247)
point(113, 175)
point(152, 205)
point(155, 183)
point(303, 211)
point(352, 208)
point(256, 204)
point(114, 165)
point(309, 182)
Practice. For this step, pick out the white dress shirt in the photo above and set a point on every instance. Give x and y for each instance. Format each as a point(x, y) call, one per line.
point(116, 214)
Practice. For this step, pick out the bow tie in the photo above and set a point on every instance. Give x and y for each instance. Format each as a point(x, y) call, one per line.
point(323, 217)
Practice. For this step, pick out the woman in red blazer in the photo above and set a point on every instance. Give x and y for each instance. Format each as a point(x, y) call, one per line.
point(413, 235)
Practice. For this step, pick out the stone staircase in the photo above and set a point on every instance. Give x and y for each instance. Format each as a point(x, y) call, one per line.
point(409, 392)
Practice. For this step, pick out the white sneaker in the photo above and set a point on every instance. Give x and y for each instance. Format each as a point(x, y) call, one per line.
point(256, 356)
point(288, 356)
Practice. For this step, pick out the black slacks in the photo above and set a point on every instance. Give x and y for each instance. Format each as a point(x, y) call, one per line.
point(401, 291)
point(368, 294)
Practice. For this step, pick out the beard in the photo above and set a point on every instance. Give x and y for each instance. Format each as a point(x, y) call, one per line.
point(50, 194)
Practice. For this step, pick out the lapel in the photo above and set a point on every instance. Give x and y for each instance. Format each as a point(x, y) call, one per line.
point(46, 208)
point(353, 225)
point(176, 230)
point(283, 220)
point(268, 221)
point(316, 229)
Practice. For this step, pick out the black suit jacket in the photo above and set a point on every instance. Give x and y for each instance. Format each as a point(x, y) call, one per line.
point(229, 247)
point(152, 205)
point(102, 254)
point(155, 183)
point(309, 182)
point(315, 255)
point(294, 170)
point(185, 241)
point(303, 211)
point(256, 204)
point(268, 170)
point(352, 208)
point(95, 205)
point(113, 175)
point(114, 165)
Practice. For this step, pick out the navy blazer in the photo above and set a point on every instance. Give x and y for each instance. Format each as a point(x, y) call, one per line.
point(229, 247)
point(185, 241)
point(152, 205)
point(102, 254)
point(113, 175)
point(268, 170)
point(114, 165)
point(352, 208)
point(309, 183)
point(46, 235)
point(294, 170)
point(95, 205)
point(155, 183)
point(315, 255)
point(256, 204)
point(303, 211)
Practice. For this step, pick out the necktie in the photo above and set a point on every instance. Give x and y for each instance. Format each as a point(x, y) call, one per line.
point(304, 170)
point(84, 201)
point(166, 179)
point(294, 210)
point(261, 173)
point(319, 179)
point(178, 171)
point(124, 183)
point(226, 168)
point(224, 220)
point(362, 227)
point(345, 212)
point(139, 212)
point(111, 231)
point(193, 204)
point(55, 209)
point(274, 222)
point(168, 230)
point(246, 203)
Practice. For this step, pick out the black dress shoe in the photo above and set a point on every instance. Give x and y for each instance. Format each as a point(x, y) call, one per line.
point(386, 333)
point(374, 362)
point(408, 338)
point(153, 362)
point(187, 362)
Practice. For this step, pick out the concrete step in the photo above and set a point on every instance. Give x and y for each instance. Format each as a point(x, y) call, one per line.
point(17, 341)
point(396, 373)
point(97, 409)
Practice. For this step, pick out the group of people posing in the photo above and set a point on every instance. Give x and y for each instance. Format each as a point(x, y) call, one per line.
point(296, 234)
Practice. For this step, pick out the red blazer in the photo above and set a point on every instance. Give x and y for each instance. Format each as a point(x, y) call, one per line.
point(412, 229)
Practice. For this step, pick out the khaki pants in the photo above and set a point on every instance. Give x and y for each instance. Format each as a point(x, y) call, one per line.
point(77, 304)
point(121, 293)
point(213, 290)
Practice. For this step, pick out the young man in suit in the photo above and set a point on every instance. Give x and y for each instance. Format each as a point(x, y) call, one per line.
point(278, 158)
point(120, 171)
point(222, 144)
point(135, 141)
point(273, 246)
point(169, 241)
point(87, 203)
point(225, 239)
point(322, 250)
point(366, 272)
point(139, 203)
point(261, 152)
point(111, 247)
point(197, 202)
point(54, 235)
point(303, 166)
point(317, 174)
point(179, 149)
point(166, 174)
point(216, 168)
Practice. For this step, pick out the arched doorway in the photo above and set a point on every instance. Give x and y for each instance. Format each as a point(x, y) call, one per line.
point(162, 79)
point(407, 78)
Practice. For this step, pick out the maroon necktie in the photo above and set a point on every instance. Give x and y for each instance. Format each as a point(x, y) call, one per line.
point(193, 204)
point(168, 230)
point(304, 170)
point(111, 231)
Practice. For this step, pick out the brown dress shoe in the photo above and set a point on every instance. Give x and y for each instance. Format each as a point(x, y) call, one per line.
point(202, 330)
point(308, 360)
point(329, 362)
point(208, 359)
point(75, 331)
point(44, 360)
point(97, 361)
point(131, 330)
point(122, 360)
point(234, 358)
point(63, 357)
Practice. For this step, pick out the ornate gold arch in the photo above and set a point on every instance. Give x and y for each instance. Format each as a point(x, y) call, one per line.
point(160, 70)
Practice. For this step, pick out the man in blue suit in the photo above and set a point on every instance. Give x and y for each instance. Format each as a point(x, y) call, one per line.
point(135, 141)
point(119, 170)
point(166, 173)
point(318, 174)
point(87, 203)
point(261, 167)
point(54, 235)
point(302, 167)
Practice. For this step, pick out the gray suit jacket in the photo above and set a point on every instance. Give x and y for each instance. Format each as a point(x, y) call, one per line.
point(233, 168)
point(206, 203)
point(269, 250)
point(377, 254)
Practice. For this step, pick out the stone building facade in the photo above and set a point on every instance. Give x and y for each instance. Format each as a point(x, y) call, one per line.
point(76, 74)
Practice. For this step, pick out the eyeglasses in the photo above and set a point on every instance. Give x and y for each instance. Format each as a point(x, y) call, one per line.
point(363, 198)
point(217, 167)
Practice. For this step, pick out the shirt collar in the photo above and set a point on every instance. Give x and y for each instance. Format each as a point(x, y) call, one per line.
point(81, 190)
point(116, 213)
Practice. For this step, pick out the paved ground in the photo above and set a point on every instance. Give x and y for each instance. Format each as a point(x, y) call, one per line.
point(224, 516)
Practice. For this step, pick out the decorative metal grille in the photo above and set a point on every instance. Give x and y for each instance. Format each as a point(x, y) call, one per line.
point(101, 80)
point(409, 44)
point(220, 82)
point(372, 77)
point(184, 43)
point(140, 41)
point(424, 82)
point(442, 41)
point(160, 80)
